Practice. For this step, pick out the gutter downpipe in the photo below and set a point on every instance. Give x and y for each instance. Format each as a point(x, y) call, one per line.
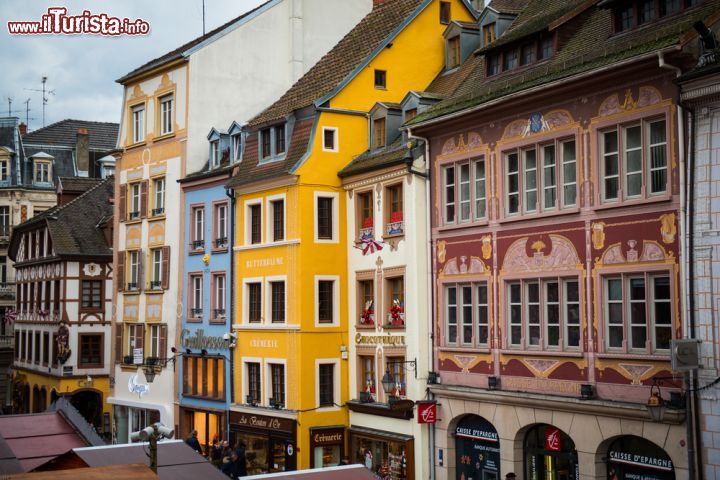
point(230, 193)
point(431, 297)
point(686, 272)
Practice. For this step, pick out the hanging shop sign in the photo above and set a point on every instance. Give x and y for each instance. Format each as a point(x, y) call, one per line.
point(427, 411)
point(552, 439)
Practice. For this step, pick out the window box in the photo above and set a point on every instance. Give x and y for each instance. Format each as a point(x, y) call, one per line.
point(395, 228)
point(396, 317)
point(366, 397)
point(128, 360)
point(366, 234)
point(157, 211)
point(152, 360)
point(367, 318)
point(221, 242)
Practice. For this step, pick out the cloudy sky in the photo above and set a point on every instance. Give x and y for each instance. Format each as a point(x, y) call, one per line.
point(82, 69)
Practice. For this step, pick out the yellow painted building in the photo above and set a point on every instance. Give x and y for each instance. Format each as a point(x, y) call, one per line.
point(291, 273)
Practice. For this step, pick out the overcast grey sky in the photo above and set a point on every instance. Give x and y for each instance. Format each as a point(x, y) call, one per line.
point(82, 69)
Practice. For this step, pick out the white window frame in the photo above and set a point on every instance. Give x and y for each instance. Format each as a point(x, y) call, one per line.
point(154, 347)
point(166, 114)
point(221, 221)
point(336, 140)
point(237, 147)
point(138, 122)
point(646, 169)
point(336, 300)
point(246, 300)
point(197, 287)
point(198, 223)
point(157, 261)
point(135, 199)
point(248, 220)
point(269, 220)
point(159, 193)
point(246, 378)
point(215, 153)
point(336, 383)
point(268, 299)
point(474, 305)
point(218, 292)
point(542, 305)
point(267, 393)
point(335, 217)
point(4, 170)
point(42, 171)
point(650, 325)
point(134, 268)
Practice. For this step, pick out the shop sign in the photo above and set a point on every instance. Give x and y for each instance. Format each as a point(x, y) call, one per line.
point(641, 461)
point(201, 341)
point(402, 405)
point(390, 340)
point(264, 262)
point(138, 358)
point(427, 412)
point(263, 422)
point(330, 436)
point(552, 439)
point(477, 449)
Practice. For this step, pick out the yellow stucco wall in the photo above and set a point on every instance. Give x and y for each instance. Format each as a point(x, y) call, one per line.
point(413, 61)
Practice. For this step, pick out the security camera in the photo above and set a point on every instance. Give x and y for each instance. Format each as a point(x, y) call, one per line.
point(226, 336)
point(142, 435)
point(165, 431)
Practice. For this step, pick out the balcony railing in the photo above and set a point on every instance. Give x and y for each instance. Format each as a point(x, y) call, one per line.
point(368, 232)
point(157, 211)
point(219, 312)
point(5, 232)
point(395, 228)
point(7, 291)
point(156, 285)
point(133, 215)
point(197, 244)
point(196, 312)
point(7, 341)
point(221, 242)
point(132, 286)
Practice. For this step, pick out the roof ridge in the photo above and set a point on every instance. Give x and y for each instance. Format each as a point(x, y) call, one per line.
point(90, 190)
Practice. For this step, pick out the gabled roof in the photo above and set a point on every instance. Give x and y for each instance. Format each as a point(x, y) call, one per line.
point(355, 47)
point(179, 52)
point(75, 227)
point(102, 135)
point(388, 156)
point(508, 6)
point(591, 46)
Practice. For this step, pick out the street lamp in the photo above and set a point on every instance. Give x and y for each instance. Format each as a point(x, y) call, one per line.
point(656, 404)
point(388, 382)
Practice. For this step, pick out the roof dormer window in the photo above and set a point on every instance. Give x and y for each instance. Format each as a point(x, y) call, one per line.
point(272, 142)
point(379, 132)
point(215, 153)
point(488, 33)
point(453, 52)
point(642, 12)
point(237, 147)
point(510, 59)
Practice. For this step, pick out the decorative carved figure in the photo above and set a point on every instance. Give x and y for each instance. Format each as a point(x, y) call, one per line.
point(486, 247)
point(668, 228)
point(598, 235)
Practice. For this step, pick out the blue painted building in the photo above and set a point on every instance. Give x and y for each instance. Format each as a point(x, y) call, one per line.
point(207, 342)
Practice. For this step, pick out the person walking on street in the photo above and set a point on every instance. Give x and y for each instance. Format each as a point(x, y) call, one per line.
point(193, 442)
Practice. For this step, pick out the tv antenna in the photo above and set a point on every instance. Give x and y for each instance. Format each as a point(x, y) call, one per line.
point(26, 110)
point(45, 93)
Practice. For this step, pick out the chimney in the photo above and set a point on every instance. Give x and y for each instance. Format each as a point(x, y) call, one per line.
point(23, 129)
point(82, 152)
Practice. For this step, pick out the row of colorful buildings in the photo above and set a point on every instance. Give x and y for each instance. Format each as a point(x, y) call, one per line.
point(441, 239)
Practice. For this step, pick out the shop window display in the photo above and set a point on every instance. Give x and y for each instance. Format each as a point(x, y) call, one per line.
point(387, 459)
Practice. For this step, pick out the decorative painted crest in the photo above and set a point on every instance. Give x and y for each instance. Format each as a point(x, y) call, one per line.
point(646, 96)
point(452, 267)
point(668, 228)
point(451, 147)
point(486, 247)
point(598, 235)
point(92, 269)
point(562, 255)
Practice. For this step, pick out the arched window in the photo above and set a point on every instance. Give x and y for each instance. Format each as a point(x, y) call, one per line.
point(477, 449)
point(635, 457)
point(550, 454)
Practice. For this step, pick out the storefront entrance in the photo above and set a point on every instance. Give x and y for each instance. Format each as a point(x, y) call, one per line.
point(270, 442)
point(550, 454)
point(389, 455)
point(209, 425)
point(635, 458)
point(327, 445)
point(477, 449)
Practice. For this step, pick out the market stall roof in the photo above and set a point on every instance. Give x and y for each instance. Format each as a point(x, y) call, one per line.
point(112, 472)
point(341, 472)
point(176, 460)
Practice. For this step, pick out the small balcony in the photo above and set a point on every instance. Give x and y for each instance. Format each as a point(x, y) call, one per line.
point(197, 245)
point(7, 291)
point(395, 228)
point(156, 212)
point(221, 242)
point(7, 342)
point(156, 285)
point(218, 313)
point(133, 215)
point(132, 286)
point(365, 233)
point(196, 312)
